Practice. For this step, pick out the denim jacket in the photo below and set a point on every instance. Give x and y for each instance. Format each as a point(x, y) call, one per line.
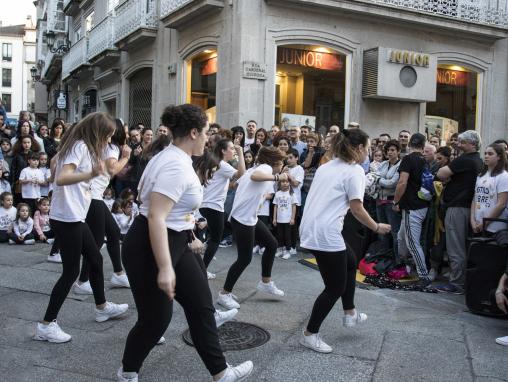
point(388, 179)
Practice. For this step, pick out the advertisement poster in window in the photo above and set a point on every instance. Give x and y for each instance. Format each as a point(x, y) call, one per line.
point(288, 120)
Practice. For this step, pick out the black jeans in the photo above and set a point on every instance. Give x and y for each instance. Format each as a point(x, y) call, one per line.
point(215, 222)
point(101, 223)
point(338, 270)
point(286, 235)
point(155, 308)
point(4, 236)
point(244, 236)
point(75, 239)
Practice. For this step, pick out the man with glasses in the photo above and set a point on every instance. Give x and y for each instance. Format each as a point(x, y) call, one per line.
point(294, 138)
point(404, 136)
point(250, 138)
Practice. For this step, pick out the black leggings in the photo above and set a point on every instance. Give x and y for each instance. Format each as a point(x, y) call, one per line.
point(338, 270)
point(75, 239)
point(286, 235)
point(14, 237)
point(101, 223)
point(155, 308)
point(244, 236)
point(215, 223)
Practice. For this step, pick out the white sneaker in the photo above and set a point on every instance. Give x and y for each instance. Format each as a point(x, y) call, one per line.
point(262, 250)
point(286, 255)
point(223, 317)
point(502, 341)
point(126, 377)
point(237, 373)
point(50, 241)
point(210, 275)
point(29, 242)
point(11, 241)
point(111, 310)
point(55, 258)
point(315, 343)
point(227, 301)
point(51, 333)
point(161, 341)
point(103, 246)
point(255, 250)
point(84, 288)
point(432, 274)
point(120, 281)
point(270, 288)
point(293, 252)
point(350, 321)
point(280, 252)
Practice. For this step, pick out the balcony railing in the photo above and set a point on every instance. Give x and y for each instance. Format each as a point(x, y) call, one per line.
point(56, 16)
point(490, 12)
point(101, 37)
point(133, 15)
point(169, 6)
point(76, 57)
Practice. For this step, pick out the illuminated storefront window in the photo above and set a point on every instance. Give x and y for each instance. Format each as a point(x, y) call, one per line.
point(202, 82)
point(456, 97)
point(309, 86)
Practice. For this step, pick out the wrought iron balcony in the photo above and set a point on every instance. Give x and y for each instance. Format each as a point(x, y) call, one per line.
point(75, 58)
point(71, 7)
point(135, 21)
point(178, 12)
point(101, 40)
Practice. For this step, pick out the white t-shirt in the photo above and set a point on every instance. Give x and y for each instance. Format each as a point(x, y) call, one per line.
point(284, 201)
point(335, 184)
point(298, 173)
point(265, 208)
point(124, 222)
point(7, 217)
point(71, 203)
point(486, 190)
point(47, 174)
point(31, 190)
point(109, 202)
point(4, 186)
point(248, 142)
point(216, 190)
point(101, 182)
point(170, 173)
point(250, 196)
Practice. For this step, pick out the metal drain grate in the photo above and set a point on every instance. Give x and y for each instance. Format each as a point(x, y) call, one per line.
point(235, 335)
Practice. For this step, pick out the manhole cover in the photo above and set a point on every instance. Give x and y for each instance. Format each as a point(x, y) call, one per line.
point(235, 335)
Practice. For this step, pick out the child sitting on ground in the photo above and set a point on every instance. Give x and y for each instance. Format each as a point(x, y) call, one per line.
point(109, 197)
point(7, 216)
point(128, 194)
point(22, 227)
point(125, 218)
point(41, 222)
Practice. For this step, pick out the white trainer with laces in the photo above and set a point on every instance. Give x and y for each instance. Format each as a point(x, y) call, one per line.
point(50, 241)
point(126, 377)
point(227, 301)
point(286, 255)
point(280, 252)
point(262, 250)
point(111, 310)
point(223, 317)
point(51, 333)
point(255, 250)
point(120, 281)
point(269, 288)
point(161, 341)
point(237, 373)
point(55, 258)
point(315, 343)
point(349, 321)
point(29, 242)
point(502, 341)
point(210, 275)
point(84, 288)
point(293, 252)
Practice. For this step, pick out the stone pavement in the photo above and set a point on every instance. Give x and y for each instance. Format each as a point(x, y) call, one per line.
point(410, 336)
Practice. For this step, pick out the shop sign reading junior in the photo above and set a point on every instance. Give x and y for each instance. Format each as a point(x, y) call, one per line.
point(309, 59)
point(409, 58)
point(452, 77)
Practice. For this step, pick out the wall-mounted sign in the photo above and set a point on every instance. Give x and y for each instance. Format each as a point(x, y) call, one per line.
point(61, 100)
point(452, 77)
point(254, 70)
point(409, 58)
point(209, 66)
point(309, 59)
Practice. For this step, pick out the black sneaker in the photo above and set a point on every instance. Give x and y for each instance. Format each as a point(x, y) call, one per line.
point(450, 288)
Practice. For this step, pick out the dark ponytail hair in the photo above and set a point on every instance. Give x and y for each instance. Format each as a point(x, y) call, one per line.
point(205, 166)
point(219, 146)
point(182, 119)
point(269, 155)
point(345, 143)
point(119, 138)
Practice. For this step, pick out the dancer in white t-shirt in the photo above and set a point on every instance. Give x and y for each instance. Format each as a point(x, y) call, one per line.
point(215, 191)
point(162, 256)
point(491, 192)
point(338, 186)
point(78, 161)
point(250, 196)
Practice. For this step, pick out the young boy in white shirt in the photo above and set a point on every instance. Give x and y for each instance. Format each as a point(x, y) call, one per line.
point(284, 218)
point(31, 179)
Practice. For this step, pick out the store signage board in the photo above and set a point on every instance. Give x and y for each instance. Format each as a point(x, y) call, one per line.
point(61, 101)
point(209, 66)
point(452, 77)
point(409, 58)
point(254, 70)
point(309, 59)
